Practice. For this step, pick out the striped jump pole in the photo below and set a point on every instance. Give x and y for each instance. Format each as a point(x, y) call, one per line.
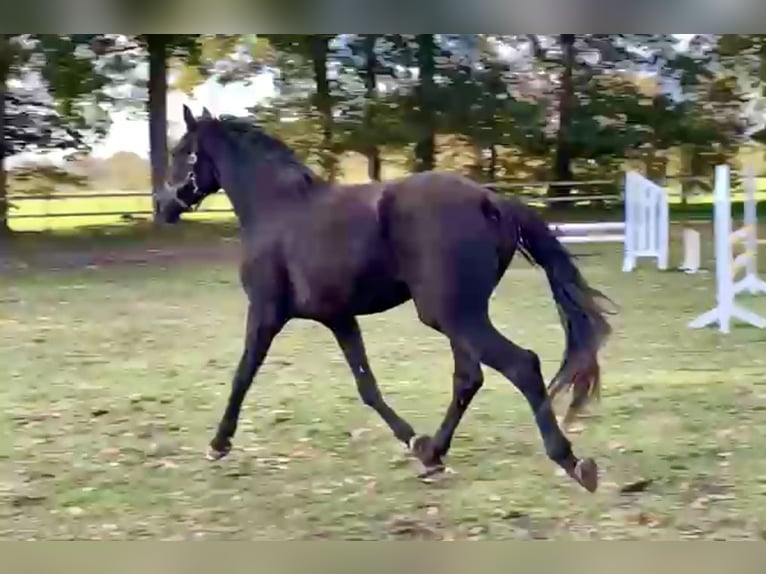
point(727, 265)
point(750, 282)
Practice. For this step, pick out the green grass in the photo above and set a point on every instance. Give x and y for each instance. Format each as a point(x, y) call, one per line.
point(35, 214)
point(114, 377)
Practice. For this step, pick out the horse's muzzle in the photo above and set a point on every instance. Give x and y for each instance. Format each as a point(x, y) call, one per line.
point(168, 209)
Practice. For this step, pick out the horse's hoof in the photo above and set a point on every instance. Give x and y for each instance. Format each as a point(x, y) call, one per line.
point(431, 472)
point(424, 448)
point(586, 474)
point(214, 453)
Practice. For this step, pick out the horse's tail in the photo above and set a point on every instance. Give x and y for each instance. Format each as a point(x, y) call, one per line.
point(580, 306)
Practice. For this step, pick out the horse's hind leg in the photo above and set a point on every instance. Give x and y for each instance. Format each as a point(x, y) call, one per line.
point(349, 338)
point(467, 379)
point(522, 368)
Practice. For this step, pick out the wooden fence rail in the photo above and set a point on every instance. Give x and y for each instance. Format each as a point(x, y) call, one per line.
point(506, 186)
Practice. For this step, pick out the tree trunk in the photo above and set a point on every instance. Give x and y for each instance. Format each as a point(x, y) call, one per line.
point(492, 170)
point(425, 147)
point(496, 86)
point(370, 81)
point(158, 112)
point(562, 162)
point(319, 46)
point(5, 66)
point(657, 167)
point(687, 169)
point(476, 168)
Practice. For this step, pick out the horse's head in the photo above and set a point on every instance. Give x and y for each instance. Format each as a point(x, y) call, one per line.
point(192, 174)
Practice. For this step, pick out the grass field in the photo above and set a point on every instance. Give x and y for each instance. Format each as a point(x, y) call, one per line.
point(35, 214)
point(114, 376)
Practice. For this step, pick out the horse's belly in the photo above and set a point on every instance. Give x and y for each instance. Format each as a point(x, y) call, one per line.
point(372, 290)
point(380, 297)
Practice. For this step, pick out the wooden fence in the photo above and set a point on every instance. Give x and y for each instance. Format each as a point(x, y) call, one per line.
point(17, 213)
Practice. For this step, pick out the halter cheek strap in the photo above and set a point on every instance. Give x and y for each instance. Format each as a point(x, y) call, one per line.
point(191, 178)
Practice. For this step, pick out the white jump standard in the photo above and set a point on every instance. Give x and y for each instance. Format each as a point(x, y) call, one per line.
point(644, 232)
point(726, 265)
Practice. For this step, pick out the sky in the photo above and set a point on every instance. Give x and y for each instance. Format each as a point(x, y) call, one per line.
point(127, 133)
point(132, 134)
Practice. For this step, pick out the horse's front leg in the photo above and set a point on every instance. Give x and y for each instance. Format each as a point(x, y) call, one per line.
point(349, 338)
point(262, 327)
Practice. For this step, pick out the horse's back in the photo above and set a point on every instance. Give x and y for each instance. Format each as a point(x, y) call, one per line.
point(366, 248)
point(337, 258)
point(437, 209)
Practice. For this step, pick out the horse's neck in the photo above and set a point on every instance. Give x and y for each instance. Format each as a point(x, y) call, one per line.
point(266, 191)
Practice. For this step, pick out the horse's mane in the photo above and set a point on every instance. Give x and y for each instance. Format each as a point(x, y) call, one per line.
point(248, 138)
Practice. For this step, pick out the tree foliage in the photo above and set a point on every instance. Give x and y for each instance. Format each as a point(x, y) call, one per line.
point(634, 96)
point(560, 106)
point(51, 91)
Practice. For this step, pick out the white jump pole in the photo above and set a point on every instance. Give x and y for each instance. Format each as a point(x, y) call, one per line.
point(725, 266)
point(629, 257)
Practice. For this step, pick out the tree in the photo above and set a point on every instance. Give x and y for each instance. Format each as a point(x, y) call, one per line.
point(159, 49)
point(158, 45)
point(562, 163)
point(562, 54)
point(484, 104)
point(704, 117)
point(318, 45)
point(365, 119)
point(743, 56)
point(425, 103)
point(51, 105)
point(610, 108)
point(372, 151)
point(578, 105)
point(303, 60)
point(5, 70)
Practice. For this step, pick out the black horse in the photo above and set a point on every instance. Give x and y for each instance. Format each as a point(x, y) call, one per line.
point(330, 253)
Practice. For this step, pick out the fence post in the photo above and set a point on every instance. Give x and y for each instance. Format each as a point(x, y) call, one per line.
point(691, 241)
point(629, 261)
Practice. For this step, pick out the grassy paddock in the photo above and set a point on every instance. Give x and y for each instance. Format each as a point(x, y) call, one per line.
point(115, 376)
point(34, 214)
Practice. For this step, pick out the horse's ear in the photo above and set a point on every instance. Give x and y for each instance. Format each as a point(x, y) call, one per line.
point(206, 115)
point(189, 119)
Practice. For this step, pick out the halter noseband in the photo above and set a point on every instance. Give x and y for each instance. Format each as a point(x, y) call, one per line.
point(191, 178)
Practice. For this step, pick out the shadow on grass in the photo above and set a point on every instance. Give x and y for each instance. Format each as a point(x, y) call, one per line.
point(112, 243)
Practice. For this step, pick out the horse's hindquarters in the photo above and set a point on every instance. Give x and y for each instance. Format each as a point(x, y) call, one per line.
point(448, 253)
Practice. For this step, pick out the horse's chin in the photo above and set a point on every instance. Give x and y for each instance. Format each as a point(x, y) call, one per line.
point(169, 210)
point(172, 216)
